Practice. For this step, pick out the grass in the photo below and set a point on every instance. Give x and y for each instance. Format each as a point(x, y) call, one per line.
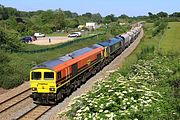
point(171, 39)
point(57, 34)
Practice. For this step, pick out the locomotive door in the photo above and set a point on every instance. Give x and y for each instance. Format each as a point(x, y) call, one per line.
point(74, 69)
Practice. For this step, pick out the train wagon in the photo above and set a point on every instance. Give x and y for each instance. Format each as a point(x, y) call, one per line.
point(52, 80)
point(126, 38)
point(132, 36)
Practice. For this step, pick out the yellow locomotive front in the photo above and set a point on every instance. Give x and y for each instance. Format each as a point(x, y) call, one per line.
point(43, 85)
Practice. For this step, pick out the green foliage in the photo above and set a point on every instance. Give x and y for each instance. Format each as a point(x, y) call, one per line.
point(159, 27)
point(171, 39)
point(116, 29)
point(9, 41)
point(110, 18)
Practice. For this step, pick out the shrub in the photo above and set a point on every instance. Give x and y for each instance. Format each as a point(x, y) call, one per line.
point(9, 41)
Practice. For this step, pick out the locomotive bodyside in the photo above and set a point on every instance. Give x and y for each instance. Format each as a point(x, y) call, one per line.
point(63, 73)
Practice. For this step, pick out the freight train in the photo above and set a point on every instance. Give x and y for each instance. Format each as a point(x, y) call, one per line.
point(53, 80)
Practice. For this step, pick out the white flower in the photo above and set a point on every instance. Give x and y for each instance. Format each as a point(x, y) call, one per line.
point(120, 97)
point(106, 111)
point(130, 91)
point(110, 90)
point(102, 105)
point(132, 98)
point(124, 92)
point(128, 103)
point(79, 111)
point(100, 110)
point(125, 99)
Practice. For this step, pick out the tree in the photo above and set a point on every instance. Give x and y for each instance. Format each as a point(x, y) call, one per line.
point(9, 41)
point(97, 18)
point(59, 20)
point(123, 16)
point(72, 23)
point(175, 14)
point(110, 18)
point(162, 14)
point(150, 14)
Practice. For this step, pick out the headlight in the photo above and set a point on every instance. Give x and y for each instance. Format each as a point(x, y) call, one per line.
point(34, 89)
point(52, 89)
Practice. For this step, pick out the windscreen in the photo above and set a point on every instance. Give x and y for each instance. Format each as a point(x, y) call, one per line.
point(49, 75)
point(36, 75)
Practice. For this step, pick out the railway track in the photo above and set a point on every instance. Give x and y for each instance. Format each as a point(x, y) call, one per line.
point(35, 113)
point(9, 103)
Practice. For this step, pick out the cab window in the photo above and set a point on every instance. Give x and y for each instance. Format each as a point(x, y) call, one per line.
point(36, 75)
point(49, 75)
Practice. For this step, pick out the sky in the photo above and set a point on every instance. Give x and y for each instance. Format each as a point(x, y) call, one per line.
point(104, 7)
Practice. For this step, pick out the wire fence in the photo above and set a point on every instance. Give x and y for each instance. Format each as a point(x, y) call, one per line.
point(58, 46)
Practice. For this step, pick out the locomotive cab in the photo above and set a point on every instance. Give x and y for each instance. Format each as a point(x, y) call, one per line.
point(43, 84)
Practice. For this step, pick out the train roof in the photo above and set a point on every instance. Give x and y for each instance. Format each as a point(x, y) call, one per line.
point(52, 63)
point(111, 41)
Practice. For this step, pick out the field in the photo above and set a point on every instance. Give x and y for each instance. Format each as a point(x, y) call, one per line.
point(145, 87)
point(171, 38)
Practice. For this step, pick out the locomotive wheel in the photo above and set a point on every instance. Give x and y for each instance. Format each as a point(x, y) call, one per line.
point(83, 79)
point(60, 95)
point(68, 90)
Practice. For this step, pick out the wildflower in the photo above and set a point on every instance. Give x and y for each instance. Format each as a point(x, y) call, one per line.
point(124, 92)
point(125, 99)
point(132, 98)
point(110, 90)
point(120, 97)
point(100, 110)
point(106, 111)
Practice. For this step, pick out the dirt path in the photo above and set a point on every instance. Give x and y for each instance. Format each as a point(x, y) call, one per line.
point(53, 40)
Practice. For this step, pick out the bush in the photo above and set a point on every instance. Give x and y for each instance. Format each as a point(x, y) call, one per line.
point(9, 41)
point(159, 27)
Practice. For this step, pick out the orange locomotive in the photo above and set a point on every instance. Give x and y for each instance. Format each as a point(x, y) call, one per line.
point(52, 80)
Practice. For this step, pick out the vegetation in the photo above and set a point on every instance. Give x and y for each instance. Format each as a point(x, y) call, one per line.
point(146, 88)
point(171, 39)
point(26, 23)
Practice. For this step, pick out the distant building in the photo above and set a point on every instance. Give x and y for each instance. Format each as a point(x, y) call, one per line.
point(91, 25)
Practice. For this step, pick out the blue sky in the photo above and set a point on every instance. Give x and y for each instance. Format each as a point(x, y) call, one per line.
point(104, 7)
